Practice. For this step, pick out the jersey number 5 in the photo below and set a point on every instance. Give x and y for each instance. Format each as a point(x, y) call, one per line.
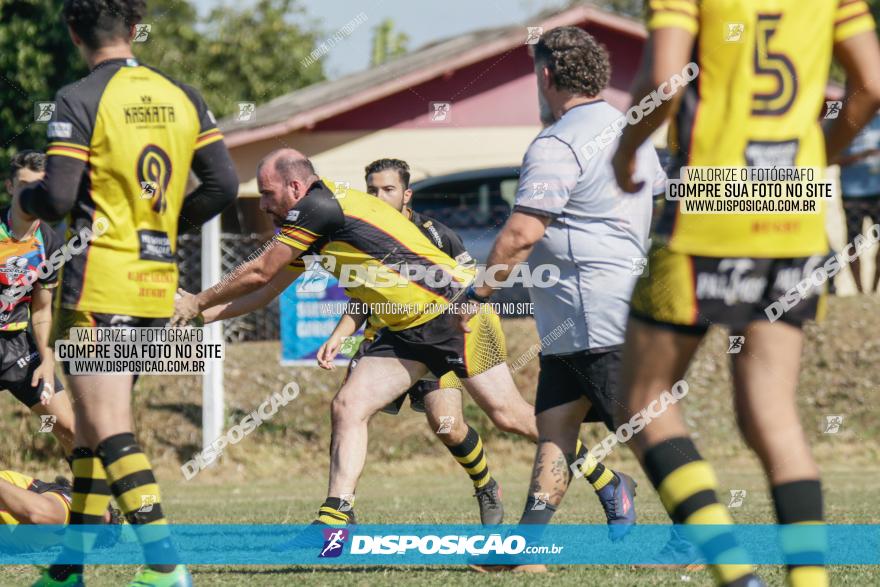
point(776, 65)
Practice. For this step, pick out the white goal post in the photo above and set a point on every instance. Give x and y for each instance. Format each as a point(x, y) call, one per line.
point(212, 380)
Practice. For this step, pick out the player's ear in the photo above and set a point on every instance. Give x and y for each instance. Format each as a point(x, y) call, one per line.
point(74, 37)
point(407, 196)
point(9, 186)
point(545, 78)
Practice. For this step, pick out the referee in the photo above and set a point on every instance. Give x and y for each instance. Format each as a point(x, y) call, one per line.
point(569, 212)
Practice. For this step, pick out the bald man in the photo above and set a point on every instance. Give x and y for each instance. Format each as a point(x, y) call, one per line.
point(353, 230)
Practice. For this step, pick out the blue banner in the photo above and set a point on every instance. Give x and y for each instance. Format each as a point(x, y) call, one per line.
point(437, 544)
point(310, 309)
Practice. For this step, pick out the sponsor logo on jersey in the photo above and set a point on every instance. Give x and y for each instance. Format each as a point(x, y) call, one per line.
point(60, 130)
point(15, 267)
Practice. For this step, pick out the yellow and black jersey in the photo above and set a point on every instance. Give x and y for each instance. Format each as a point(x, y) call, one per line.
point(364, 241)
point(444, 238)
point(757, 102)
point(61, 492)
point(122, 143)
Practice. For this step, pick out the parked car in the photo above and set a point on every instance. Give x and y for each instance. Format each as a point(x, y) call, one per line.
point(475, 204)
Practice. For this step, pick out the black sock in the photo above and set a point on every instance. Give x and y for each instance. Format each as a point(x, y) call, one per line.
point(799, 503)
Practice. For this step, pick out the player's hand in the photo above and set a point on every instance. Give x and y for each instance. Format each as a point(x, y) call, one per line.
point(186, 308)
point(44, 378)
point(327, 352)
point(467, 311)
point(624, 165)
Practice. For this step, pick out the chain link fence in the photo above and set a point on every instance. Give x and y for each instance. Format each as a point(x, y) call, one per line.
point(260, 325)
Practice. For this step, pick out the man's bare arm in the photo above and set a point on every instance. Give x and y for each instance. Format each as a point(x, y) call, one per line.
point(666, 53)
point(252, 301)
point(30, 508)
point(249, 278)
point(513, 245)
point(41, 320)
point(860, 58)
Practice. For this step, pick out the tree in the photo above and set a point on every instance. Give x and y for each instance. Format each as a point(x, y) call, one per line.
point(242, 55)
point(36, 58)
point(233, 55)
point(386, 45)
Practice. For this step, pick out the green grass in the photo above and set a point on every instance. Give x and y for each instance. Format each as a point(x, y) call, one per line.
point(437, 491)
point(279, 473)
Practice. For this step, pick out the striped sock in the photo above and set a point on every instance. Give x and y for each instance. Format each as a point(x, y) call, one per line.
point(470, 455)
point(336, 511)
point(91, 496)
point(686, 485)
point(132, 482)
point(799, 503)
point(594, 472)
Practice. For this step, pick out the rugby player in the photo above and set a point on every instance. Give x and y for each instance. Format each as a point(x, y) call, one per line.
point(757, 103)
point(350, 228)
point(25, 500)
point(122, 143)
point(27, 363)
point(568, 212)
point(388, 179)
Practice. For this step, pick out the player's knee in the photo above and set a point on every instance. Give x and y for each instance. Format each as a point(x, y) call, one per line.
point(506, 422)
point(345, 409)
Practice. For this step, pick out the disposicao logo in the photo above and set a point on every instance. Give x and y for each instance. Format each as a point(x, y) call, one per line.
point(334, 539)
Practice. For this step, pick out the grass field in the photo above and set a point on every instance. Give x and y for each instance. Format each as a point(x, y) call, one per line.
point(437, 492)
point(278, 474)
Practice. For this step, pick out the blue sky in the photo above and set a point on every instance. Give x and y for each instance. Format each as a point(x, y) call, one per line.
point(424, 21)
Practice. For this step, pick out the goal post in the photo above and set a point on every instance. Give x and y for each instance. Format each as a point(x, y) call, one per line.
point(212, 380)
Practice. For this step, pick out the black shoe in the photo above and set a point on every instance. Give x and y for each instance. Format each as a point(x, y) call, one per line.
point(489, 499)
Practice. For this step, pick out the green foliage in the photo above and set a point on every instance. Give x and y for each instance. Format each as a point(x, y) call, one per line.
point(36, 58)
point(234, 55)
point(237, 55)
point(386, 44)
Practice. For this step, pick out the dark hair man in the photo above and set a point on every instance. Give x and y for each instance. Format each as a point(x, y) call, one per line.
point(27, 363)
point(569, 213)
point(122, 143)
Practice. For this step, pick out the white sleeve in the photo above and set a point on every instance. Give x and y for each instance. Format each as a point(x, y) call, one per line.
point(550, 171)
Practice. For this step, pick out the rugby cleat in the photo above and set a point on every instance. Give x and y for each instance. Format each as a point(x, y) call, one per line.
point(619, 505)
point(313, 535)
point(489, 500)
point(72, 580)
point(179, 577)
point(678, 552)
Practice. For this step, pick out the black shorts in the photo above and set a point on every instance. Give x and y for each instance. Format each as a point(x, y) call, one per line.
point(19, 358)
point(566, 378)
point(438, 344)
point(416, 393)
point(68, 319)
point(689, 293)
point(856, 210)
